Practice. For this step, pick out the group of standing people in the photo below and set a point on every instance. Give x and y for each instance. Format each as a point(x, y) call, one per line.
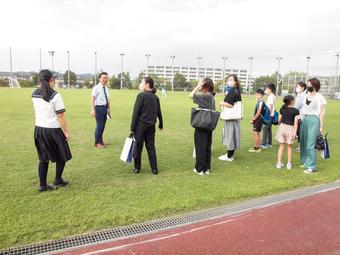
point(302, 117)
point(51, 133)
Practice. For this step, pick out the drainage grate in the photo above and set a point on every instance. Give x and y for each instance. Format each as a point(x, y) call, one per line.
point(167, 223)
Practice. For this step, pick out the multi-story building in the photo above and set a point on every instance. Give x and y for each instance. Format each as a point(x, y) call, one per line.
point(328, 86)
point(192, 73)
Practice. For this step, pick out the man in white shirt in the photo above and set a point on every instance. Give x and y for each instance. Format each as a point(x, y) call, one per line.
point(267, 128)
point(100, 108)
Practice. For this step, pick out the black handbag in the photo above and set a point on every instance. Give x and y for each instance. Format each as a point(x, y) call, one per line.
point(320, 143)
point(204, 119)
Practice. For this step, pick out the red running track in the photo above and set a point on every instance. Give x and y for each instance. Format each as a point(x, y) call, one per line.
point(306, 226)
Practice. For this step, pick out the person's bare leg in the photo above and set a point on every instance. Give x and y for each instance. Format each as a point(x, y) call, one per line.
point(290, 153)
point(280, 152)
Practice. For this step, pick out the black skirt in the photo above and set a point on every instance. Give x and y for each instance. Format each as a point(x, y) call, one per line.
point(51, 144)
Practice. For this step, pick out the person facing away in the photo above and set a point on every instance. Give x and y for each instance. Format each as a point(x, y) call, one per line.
point(203, 95)
point(301, 95)
point(267, 128)
point(286, 133)
point(257, 121)
point(100, 108)
point(231, 133)
point(51, 133)
point(313, 114)
point(145, 113)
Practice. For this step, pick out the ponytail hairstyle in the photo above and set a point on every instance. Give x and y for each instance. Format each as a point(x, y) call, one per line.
point(151, 83)
point(44, 78)
point(287, 101)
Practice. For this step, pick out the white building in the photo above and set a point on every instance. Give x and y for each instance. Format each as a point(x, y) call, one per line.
point(192, 73)
point(329, 86)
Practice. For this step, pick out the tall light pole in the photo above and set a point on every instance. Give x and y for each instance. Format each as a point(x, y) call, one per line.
point(172, 73)
point(198, 67)
point(39, 59)
point(223, 71)
point(121, 69)
point(51, 52)
point(95, 68)
point(10, 67)
point(288, 85)
point(307, 67)
point(278, 74)
point(336, 71)
point(249, 74)
point(68, 69)
point(147, 63)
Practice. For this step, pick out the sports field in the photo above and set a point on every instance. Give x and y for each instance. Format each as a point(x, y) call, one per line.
point(104, 192)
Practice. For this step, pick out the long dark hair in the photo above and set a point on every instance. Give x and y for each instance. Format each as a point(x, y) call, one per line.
point(238, 85)
point(302, 85)
point(208, 85)
point(287, 101)
point(151, 83)
point(44, 77)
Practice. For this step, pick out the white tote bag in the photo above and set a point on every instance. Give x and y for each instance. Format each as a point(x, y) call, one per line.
point(234, 113)
point(127, 152)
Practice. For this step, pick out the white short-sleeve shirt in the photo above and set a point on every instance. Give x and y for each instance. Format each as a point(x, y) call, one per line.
point(46, 112)
point(98, 93)
point(271, 100)
point(314, 106)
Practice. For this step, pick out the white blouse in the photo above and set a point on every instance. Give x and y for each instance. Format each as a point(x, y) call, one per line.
point(314, 107)
point(46, 112)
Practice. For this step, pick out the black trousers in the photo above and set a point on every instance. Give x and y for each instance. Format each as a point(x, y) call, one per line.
point(101, 116)
point(145, 134)
point(203, 142)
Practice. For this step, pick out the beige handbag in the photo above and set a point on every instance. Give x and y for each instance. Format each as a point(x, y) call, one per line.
point(233, 113)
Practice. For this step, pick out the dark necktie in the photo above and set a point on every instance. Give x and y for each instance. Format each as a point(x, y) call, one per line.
point(105, 95)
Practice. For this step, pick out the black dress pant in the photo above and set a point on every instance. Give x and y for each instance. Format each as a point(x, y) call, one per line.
point(145, 133)
point(203, 142)
point(101, 116)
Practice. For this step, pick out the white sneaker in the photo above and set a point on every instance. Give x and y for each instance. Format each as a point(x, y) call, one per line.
point(289, 166)
point(225, 158)
point(207, 172)
point(279, 165)
point(199, 173)
point(309, 171)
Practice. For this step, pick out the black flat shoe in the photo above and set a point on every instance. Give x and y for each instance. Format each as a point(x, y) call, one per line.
point(60, 183)
point(137, 171)
point(155, 172)
point(46, 188)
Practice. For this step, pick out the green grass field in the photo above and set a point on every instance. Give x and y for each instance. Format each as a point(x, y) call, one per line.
point(105, 193)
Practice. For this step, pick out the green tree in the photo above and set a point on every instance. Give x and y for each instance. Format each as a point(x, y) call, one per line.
point(126, 80)
point(261, 81)
point(180, 81)
point(35, 79)
point(86, 84)
point(114, 82)
point(73, 78)
point(3, 83)
point(27, 83)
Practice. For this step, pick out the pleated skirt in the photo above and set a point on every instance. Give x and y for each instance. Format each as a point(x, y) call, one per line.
point(51, 144)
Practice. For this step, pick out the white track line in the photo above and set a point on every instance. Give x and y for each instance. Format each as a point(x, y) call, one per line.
point(159, 238)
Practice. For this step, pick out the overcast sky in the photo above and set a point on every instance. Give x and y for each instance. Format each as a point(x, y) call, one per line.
point(185, 28)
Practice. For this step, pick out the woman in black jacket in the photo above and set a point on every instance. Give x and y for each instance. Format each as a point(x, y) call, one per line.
point(146, 110)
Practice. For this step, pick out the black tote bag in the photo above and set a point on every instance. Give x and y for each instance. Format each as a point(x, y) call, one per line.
point(204, 119)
